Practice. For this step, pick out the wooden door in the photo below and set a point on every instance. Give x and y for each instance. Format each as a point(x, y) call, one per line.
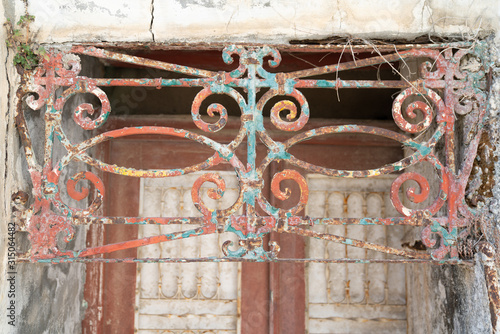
point(269, 298)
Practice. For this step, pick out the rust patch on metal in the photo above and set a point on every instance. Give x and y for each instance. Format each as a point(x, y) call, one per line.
point(482, 180)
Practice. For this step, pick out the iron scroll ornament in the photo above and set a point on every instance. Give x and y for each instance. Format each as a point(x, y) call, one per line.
point(437, 97)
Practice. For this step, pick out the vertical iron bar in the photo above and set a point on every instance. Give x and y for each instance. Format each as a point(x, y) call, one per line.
point(252, 138)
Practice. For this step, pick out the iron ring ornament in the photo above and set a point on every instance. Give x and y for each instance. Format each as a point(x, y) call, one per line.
point(451, 83)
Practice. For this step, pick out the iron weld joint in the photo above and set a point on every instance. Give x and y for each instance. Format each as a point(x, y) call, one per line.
point(252, 184)
point(280, 80)
point(419, 85)
point(220, 78)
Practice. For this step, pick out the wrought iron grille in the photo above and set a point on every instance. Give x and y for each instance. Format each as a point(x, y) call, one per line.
point(452, 82)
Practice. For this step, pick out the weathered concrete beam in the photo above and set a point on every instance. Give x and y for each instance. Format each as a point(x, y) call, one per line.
point(256, 21)
point(61, 21)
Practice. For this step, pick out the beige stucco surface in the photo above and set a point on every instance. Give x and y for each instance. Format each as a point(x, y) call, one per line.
point(117, 20)
point(260, 21)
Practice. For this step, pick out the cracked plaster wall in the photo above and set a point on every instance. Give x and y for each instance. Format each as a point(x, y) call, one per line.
point(7, 184)
point(455, 299)
point(256, 21)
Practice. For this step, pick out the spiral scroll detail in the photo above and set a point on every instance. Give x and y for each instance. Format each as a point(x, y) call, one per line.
point(212, 193)
point(423, 107)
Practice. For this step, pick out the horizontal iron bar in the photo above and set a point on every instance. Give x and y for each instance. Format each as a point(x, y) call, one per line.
point(138, 220)
point(159, 82)
point(108, 248)
point(358, 243)
point(300, 46)
point(395, 84)
point(232, 259)
point(296, 221)
point(105, 54)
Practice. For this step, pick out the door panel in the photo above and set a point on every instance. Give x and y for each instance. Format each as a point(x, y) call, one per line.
point(272, 296)
point(354, 298)
point(185, 296)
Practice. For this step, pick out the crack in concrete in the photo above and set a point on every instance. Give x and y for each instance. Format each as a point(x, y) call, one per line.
point(7, 112)
point(152, 19)
point(427, 6)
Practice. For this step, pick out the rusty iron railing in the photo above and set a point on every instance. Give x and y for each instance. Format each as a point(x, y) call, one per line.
point(448, 85)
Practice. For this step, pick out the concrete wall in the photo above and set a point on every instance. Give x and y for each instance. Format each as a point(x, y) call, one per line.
point(50, 297)
point(251, 21)
point(7, 137)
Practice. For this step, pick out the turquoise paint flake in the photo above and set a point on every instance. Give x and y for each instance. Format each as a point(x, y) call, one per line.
point(273, 211)
point(236, 254)
point(250, 195)
point(269, 82)
point(325, 84)
point(186, 234)
point(422, 149)
point(258, 123)
point(231, 229)
point(290, 85)
point(278, 153)
point(449, 238)
point(366, 221)
point(226, 154)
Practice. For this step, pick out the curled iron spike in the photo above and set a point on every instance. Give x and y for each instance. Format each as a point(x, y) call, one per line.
point(213, 108)
point(274, 61)
point(414, 195)
point(79, 195)
point(51, 190)
point(227, 57)
point(287, 174)
point(240, 252)
point(424, 108)
point(465, 104)
point(212, 193)
point(69, 66)
point(295, 125)
point(432, 70)
point(37, 103)
point(273, 53)
point(86, 86)
point(427, 237)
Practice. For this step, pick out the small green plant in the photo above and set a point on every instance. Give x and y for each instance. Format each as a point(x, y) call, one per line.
point(18, 38)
